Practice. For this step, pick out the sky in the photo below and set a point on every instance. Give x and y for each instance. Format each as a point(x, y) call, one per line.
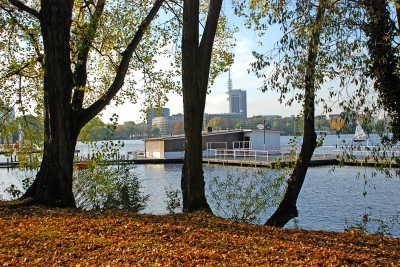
point(258, 103)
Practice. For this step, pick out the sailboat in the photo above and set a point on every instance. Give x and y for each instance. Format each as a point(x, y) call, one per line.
point(359, 135)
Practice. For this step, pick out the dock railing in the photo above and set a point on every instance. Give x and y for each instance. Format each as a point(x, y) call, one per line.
point(272, 153)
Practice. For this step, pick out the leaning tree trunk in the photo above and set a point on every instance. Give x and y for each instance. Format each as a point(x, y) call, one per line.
point(287, 209)
point(53, 183)
point(195, 71)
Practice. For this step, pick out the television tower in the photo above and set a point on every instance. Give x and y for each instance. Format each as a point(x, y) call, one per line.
point(229, 81)
point(229, 87)
point(237, 99)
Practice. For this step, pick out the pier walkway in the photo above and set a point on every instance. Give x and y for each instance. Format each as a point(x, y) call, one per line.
point(244, 157)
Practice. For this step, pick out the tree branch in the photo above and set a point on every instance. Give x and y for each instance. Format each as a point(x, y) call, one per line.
point(80, 73)
point(173, 11)
point(31, 36)
point(14, 72)
point(25, 8)
point(207, 40)
point(89, 113)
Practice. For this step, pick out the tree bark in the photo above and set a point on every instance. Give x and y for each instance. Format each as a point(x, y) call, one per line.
point(53, 184)
point(64, 116)
point(287, 209)
point(195, 71)
point(381, 32)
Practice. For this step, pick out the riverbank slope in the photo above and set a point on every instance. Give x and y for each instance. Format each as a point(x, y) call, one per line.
point(58, 237)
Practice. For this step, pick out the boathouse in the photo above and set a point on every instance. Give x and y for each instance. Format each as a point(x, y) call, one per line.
point(240, 139)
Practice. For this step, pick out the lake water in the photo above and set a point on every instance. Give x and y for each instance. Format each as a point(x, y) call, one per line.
point(327, 198)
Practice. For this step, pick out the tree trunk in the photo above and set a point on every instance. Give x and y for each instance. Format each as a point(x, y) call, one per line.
point(53, 184)
point(381, 32)
point(64, 117)
point(195, 71)
point(287, 209)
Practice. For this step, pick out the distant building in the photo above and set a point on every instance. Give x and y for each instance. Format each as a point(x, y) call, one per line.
point(233, 140)
point(233, 116)
point(320, 117)
point(237, 99)
point(164, 124)
point(156, 112)
point(238, 102)
point(176, 117)
point(268, 116)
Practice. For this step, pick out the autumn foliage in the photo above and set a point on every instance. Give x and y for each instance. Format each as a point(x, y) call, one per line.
point(37, 236)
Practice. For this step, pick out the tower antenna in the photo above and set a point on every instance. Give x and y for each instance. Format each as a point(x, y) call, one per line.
point(229, 81)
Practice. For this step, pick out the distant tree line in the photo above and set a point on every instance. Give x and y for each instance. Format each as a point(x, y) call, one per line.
point(290, 125)
point(98, 130)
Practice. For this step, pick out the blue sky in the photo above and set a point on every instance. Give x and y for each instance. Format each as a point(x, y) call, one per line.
point(258, 103)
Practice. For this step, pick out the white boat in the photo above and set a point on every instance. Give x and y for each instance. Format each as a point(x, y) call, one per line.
point(359, 135)
point(137, 153)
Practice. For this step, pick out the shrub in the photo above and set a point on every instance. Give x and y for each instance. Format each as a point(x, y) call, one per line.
point(174, 199)
point(243, 196)
point(372, 225)
point(101, 187)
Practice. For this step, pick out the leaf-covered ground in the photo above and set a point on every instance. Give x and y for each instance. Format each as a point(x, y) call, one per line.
point(57, 237)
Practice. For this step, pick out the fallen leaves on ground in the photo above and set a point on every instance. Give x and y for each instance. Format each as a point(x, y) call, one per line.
point(36, 236)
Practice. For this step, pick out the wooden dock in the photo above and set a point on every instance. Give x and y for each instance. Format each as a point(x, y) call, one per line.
point(271, 162)
point(267, 164)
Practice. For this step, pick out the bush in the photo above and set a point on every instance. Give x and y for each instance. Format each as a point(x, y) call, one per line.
point(243, 196)
point(174, 199)
point(372, 225)
point(101, 187)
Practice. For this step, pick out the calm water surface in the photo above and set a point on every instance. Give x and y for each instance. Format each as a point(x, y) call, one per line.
point(326, 200)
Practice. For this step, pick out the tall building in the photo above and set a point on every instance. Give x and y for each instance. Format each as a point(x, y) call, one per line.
point(156, 112)
point(176, 117)
point(237, 99)
point(164, 124)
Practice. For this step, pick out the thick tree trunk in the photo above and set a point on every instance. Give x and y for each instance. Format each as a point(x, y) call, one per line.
point(65, 118)
point(287, 209)
point(195, 71)
point(192, 183)
point(381, 32)
point(53, 184)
